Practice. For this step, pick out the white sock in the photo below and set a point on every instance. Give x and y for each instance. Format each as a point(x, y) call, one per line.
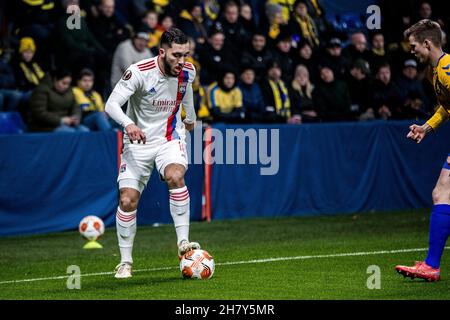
point(126, 231)
point(179, 209)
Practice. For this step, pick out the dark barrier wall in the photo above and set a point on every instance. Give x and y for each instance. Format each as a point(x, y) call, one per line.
point(335, 168)
point(48, 182)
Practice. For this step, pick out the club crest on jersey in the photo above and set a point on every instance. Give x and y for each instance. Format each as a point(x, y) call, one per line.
point(123, 167)
point(182, 89)
point(127, 75)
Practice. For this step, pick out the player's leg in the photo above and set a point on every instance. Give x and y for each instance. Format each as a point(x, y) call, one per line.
point(126, 229)
point(126, 222)
point(171, 162)
point(179, 200)
point(135, 169)
point(440, 218)
point(439, 231)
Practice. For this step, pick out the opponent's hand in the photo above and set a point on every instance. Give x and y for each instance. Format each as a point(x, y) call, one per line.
point(189, 126)
point(416, 133)
point(135, 133)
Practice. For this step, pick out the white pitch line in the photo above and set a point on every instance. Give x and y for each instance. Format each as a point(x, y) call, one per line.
point(335, 255)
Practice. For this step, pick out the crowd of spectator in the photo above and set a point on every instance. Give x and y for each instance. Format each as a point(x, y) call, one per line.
point(273, 61)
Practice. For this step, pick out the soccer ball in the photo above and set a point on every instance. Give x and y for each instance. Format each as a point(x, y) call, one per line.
point(91, 227)
point(197, 264)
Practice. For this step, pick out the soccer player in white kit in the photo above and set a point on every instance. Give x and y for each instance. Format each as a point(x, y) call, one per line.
point(155, 89)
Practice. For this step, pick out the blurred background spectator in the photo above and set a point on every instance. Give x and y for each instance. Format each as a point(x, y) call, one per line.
point(291, 60)
point(225, 99)
point(53, 105)
point(90, 103)
point(276, 96)
point(331, 97)
point(128, 52)
point(301, 95)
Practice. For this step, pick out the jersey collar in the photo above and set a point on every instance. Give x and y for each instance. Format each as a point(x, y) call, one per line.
point(439, 59)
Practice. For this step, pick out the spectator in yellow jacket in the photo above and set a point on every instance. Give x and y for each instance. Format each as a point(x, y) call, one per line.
point(225, 99)
point(90, 102)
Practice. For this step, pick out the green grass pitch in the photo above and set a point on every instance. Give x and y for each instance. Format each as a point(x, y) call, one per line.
point(323, 257)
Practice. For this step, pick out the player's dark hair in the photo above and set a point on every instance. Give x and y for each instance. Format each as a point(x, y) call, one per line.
point(425, 29)
point(173, 35)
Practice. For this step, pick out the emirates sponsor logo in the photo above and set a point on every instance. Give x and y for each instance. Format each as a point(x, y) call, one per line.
point(164, 103)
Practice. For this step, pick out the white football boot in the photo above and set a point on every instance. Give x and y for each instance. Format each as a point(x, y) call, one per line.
point(123, 270)
point(186, 246)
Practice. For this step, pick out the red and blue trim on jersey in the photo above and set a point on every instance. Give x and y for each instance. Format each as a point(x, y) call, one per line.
point(171, 132)
point(147, 65)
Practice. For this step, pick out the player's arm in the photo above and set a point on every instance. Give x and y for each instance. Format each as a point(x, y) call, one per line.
point(124, 89)
point(417, 133)
point(439, 117)
point(188, 103)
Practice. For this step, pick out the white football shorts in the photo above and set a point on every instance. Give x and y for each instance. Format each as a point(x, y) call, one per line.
point(138, 160)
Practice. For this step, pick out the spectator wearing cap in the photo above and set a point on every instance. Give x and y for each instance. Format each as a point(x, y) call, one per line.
point(386, 94)
point(282, 54)
point(191, 22)
point(410, 86)
point(215, 58)
point(301, 96)
point(408, 82)
point(225, 99)
point(357, 48)
point(276, 96)
point(303, 26)
point(28, 73)
point(332, 56)
point(360, 87)
point(251, 94)
point(257, 55)
point(331, 97)
point(90, 102)
point(128, 52)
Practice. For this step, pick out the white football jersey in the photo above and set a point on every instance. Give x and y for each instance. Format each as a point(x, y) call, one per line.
point(155, 100)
